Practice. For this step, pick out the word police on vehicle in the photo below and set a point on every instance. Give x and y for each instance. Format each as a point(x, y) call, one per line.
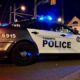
point(56, 44)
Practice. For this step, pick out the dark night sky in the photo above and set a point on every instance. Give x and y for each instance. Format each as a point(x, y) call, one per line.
point(70, 8)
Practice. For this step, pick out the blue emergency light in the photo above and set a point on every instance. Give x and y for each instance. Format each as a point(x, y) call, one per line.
point(41, 18)
point(49, 18)
point(45, 18)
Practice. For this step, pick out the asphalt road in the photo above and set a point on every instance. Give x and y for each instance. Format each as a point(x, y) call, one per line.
point(42, 70)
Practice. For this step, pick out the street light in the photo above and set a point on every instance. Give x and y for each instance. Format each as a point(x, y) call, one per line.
point(60, 20)
point(22, 7)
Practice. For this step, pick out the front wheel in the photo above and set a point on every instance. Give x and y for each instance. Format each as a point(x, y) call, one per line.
point(23, 53)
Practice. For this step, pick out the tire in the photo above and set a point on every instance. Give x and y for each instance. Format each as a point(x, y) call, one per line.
point(23, 53)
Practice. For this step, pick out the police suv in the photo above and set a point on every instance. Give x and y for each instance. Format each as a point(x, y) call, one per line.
point(22, 43)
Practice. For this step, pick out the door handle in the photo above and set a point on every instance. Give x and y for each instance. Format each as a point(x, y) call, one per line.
point(63, 35)
point(34, 32)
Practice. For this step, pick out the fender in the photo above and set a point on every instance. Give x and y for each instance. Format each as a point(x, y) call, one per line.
point(26, 41)
point(21, 35)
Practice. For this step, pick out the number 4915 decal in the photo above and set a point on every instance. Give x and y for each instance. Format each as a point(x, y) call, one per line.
point(8, 35)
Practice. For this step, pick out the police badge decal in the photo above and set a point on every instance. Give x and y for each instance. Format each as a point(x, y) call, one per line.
point(78, 39)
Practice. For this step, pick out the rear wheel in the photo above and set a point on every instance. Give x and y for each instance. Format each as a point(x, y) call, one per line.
point(23, 53)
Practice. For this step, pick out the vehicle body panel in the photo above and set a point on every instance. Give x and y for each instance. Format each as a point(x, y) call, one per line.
point(10, 36)
point(54, 41)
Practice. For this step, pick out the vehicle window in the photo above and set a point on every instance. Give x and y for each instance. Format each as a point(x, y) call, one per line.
point(61, 28)
point(34, 24)
point(39, 25)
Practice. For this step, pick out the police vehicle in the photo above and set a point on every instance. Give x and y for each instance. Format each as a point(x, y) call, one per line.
point(22, 43)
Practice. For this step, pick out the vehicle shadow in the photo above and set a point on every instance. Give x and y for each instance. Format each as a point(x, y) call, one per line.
point(48, 57)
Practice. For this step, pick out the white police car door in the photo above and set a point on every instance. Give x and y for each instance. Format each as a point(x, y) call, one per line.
point(55, 41)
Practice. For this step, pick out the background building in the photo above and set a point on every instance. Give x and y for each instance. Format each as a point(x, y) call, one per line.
point(75, 23)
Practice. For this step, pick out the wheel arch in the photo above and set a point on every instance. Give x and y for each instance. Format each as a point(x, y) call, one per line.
point(21, 41)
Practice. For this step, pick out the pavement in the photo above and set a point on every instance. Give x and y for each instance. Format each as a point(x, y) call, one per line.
point(72, 76)
point(46, 70)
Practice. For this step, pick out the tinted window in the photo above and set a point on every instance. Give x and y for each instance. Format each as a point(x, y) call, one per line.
point(34, 24)
point(61, 28)
point(39, 25)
